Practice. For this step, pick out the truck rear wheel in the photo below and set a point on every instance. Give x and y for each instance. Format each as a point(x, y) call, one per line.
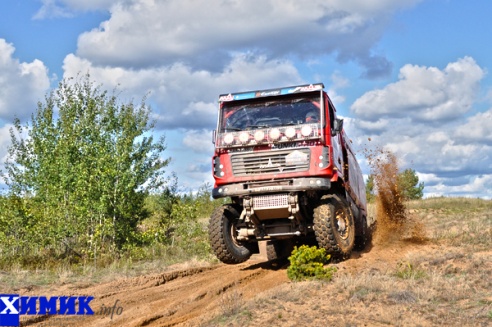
point(334, 226)
point(361, 241)
point(222, 233)
point(279, 249)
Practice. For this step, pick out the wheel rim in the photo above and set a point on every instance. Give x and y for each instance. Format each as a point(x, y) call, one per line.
point(342, 224)
point(233, 233)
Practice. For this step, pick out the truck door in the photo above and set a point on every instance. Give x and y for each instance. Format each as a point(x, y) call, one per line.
point(336, 139)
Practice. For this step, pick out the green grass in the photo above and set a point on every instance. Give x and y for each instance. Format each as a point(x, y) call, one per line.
point(451, 205)
point(39, 271)
point(408, 270)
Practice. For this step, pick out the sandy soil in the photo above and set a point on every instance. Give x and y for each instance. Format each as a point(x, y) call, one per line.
point(443, 283)
point(179, 297)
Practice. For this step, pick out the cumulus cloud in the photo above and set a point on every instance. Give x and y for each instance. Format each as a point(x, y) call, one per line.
point(427, 149)
point(478, 128)
point(338, 82)
point(22, 84)
point(186, 98)
point(69, 8)
point(425, 93)
point(421, 118)
point(199, 141)
point(206, 33)
point(194, 173)
point(470, 186)
point(50, 9)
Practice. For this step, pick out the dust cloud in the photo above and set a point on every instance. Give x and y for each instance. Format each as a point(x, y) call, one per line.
point(392, 220)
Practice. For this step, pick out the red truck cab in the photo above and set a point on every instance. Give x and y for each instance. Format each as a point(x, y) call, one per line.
point(282, 157)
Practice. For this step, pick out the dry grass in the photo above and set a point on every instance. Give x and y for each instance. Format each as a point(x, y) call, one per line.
point(441, 281)
point(437, 273)
point(17, 278)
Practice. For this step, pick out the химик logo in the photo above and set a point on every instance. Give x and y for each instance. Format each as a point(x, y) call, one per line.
point(13, 305)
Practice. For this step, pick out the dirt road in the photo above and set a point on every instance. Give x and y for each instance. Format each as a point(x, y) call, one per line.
point(453, 290)
point(180, 297)
point(193, 296)
point(442, 279)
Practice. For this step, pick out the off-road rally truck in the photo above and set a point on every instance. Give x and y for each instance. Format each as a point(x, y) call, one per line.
point(284, 160)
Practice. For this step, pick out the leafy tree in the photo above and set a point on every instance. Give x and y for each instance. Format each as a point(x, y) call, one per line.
point(409, 184)
point(82, 172)
point(370, 188)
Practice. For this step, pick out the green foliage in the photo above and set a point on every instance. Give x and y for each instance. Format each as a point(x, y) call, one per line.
point(308, 263)
point(174, 218)
point(408, 182)
point(370, 188)
point(80, 176)
point(408, 185)
point(407, 270)
point(86, 185)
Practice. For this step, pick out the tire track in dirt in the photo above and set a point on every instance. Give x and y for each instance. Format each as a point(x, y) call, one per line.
point(177, 298)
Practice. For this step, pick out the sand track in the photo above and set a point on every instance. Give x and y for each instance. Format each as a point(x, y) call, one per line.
point(183, 297)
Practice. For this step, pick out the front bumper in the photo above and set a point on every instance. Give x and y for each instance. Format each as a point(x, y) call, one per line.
point(277, 186)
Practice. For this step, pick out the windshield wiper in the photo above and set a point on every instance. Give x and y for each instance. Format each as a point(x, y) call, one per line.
point(257, 126)
point(231, 129)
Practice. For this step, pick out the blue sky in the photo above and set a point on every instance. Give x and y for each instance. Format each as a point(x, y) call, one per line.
point(411, 75)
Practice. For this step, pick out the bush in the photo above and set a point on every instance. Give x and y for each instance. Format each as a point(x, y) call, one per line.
point(78, 173)
point(308, 263)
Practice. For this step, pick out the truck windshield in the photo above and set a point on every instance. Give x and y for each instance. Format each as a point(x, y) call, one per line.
point(240, 115)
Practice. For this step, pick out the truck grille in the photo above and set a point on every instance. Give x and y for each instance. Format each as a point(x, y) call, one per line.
point(270, 201)
point(270, 162)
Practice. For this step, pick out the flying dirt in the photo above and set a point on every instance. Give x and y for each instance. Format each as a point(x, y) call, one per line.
point(393, 222)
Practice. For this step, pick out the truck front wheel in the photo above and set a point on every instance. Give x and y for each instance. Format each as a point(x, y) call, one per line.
point(222, 233)
point(334, 226)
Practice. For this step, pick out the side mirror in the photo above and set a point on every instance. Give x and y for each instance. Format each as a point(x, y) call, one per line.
point(337, 126)
point(214, 135)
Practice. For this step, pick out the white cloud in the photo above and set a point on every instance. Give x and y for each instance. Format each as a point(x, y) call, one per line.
point(21, 84)
point(482, 183)
point(424, 93)
point(194, 169)
point(470, 186)
point(199, 141)
point(69, 8)
point(434, 151)
point(50, 9)
point(182, 97)
point(85, 5)
point(421, 119)
point(4, 142)
point(204, 33)
point(478, 128)
point(429, 179)
point(338, 82)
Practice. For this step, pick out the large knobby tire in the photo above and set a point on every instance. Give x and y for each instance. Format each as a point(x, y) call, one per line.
point(361, 241)
point(222, 235)
point(334, 227)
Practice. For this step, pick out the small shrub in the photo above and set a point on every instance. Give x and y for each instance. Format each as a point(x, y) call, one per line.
point(406, 270)
point(231, 303)
point(308, 263)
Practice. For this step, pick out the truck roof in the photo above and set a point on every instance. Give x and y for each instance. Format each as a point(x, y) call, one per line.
point(271, 92)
